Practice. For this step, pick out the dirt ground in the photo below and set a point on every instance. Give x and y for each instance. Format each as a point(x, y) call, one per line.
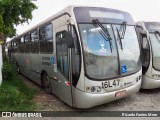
point(145, 100)
point(44, 101)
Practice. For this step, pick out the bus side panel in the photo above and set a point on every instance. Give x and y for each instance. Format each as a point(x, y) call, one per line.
point(21, 62)
point(46, 63)
point(35, 68)
point(27, 65)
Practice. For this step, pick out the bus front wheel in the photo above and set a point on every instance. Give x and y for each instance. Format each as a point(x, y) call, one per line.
point(46, 83)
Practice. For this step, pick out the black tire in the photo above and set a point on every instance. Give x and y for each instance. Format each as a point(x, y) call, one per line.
point(18, 69)
point(46, 83)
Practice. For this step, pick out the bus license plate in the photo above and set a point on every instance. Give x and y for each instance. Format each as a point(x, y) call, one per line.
point(120, 93)
point(111, 83)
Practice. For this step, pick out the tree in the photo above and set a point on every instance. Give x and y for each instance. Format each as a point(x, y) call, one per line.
point(13, 13)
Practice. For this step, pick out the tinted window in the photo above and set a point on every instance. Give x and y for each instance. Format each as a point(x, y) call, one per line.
point(15, 46)
point(46, 39)
point(26, 46)
point(19, 41)
point(22, 40)
point(32, 36)
point(46, 32)
point(35, 41)
point(21, 46)
point(26, 39)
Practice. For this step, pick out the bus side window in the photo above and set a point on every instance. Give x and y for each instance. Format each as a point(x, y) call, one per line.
point(46, 39)
point(15, 46)
point(35, 41)
point(21, 46)
point(27, 43)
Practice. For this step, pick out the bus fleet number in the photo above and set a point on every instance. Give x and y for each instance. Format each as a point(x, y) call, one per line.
point(111, 83)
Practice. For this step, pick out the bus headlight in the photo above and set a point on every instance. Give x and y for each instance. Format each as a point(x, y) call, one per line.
point(87, 88)
point(93, 89)
point(138, 78)
point(98, 89)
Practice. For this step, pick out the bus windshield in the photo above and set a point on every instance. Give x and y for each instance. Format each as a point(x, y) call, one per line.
point(101, 60)
point(155, 42)
point(129, 51)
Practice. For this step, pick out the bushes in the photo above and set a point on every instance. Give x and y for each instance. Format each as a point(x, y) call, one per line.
point(8, 71)
point(14, 94)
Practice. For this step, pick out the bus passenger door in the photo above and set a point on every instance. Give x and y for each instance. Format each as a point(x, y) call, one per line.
point(63, 61)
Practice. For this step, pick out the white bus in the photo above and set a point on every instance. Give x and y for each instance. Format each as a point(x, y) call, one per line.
point(149, 37)
point(86, 56)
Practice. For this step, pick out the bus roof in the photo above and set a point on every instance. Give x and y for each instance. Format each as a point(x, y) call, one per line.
point(69, 10)
point(149, 26)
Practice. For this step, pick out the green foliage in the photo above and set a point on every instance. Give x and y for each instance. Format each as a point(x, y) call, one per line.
point(14, 94)
point(1, 24)
point(14, 12)
point(8, 71)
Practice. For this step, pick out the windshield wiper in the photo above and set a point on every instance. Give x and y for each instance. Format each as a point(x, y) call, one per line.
point(105, 33)
point(121, 33)
point(157, 32)
point(120, 39)
point(122, 30)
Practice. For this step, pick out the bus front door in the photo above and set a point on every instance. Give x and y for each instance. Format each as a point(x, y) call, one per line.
point(63, 61)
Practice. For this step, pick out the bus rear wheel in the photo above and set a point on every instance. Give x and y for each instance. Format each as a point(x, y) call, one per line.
point(46, 83)
point(18, 69)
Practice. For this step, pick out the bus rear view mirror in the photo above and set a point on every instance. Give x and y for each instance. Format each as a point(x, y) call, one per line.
point(69, 39)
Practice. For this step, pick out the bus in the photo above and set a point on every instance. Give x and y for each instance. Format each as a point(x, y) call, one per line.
point(87, 56)
point(149, 37)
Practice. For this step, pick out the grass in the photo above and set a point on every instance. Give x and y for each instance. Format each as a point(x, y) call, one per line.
point(15, 95)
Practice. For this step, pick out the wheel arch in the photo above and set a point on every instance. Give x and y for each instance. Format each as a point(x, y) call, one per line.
point(42, 73)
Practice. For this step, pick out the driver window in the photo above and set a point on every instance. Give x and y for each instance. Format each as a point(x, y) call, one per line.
point(62, 53)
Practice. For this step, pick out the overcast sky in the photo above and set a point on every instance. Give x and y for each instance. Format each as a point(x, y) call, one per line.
point(141, 10)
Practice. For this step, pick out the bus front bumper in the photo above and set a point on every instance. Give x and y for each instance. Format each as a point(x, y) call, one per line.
point(149, 83)
point(88, 100)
